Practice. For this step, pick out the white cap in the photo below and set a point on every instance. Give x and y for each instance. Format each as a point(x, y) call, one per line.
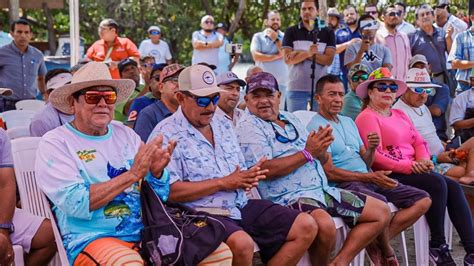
point(199, 80)
point(153, 28)
point(58, 81)
point(6, 91)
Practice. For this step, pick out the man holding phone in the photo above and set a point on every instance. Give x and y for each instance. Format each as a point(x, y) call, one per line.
point(371, 54)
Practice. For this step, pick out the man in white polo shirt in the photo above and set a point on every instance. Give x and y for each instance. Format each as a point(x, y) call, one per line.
point(155, 47)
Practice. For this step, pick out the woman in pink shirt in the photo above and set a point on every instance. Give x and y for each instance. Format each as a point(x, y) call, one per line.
point(403, 151)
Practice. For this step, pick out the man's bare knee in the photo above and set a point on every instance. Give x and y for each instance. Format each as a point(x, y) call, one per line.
point(241, 244)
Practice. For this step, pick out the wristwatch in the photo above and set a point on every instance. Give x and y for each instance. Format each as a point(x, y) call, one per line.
point(10, 227)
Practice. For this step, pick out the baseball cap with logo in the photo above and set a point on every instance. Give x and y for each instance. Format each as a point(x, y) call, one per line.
point(58, 81)
point(154, 29)
point(228, 77)
point(199, 80)
point(170, 71)
point(419, 78)
point(419, 58)
point(358, 68)
point(262, 80)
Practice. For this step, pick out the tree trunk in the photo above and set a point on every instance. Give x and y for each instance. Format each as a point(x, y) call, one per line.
point(207, 7)
point(14, 10)
point(323, 9)
point(52, 40)
point(238, 15)
point(266, 6)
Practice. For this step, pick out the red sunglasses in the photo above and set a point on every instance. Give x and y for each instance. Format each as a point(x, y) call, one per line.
point(94, 97)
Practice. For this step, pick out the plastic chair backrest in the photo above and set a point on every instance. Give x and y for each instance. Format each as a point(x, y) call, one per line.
point(17, 118)
point(32, 198)
point(31, 105)
point(304, 116)
point(18, 132)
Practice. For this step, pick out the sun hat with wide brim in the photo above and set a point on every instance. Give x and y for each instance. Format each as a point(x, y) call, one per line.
point(380, 74)
point(90, 75)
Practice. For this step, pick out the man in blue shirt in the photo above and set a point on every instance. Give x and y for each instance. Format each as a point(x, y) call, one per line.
point(22, 67)
point(164, 106)
point(462, 55)
point(351, 168)
point(207, 172)
point(296, 177)
point(433, 43)
point(346, 36)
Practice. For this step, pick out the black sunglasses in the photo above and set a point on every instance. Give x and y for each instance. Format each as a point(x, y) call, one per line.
point(282, 139)
point(382, 87)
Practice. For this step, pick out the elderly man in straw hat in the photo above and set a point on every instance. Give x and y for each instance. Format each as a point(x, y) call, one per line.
point(90, 169)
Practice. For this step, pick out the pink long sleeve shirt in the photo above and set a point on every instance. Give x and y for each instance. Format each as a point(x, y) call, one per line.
point(400, 142)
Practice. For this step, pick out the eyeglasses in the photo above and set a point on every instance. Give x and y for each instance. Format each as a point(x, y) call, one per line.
point(209, 22)
point(392, 14)
point(94, 97)
point(382, 87)
point(361, 77)
point(204, 101)
point(282, 139)
point(154, 32)
point(429, 91)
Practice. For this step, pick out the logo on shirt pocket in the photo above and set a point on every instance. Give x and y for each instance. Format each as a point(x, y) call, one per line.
point(86, 155)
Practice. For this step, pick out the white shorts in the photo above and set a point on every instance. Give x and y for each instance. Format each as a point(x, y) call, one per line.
point(26, 226)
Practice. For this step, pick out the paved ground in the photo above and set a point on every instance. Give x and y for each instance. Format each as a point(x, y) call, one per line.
point(457, 252)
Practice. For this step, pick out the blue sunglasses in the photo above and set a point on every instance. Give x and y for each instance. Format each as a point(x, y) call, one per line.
point(429, 91)
point(204, 101)
point(282, 139)
point(382, 87)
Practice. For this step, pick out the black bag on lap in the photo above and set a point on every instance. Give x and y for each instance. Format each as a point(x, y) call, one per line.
point(174, 234)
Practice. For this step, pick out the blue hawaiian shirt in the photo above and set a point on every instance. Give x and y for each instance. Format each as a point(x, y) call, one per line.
point(195, 159)
point(257, 139)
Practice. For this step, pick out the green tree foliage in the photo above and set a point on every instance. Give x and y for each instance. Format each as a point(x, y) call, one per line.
point(178, 19)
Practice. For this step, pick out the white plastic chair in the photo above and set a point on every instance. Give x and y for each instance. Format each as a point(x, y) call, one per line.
point(18, 132)
point(304, 116)
point(17, 118)
point(31, 105)
point(19, 260)
point(32, 198)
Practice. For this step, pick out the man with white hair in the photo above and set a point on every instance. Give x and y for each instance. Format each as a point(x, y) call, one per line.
point(206, 43)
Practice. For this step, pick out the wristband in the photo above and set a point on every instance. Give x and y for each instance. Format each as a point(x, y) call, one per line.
point(307, 155)
point(434, 159)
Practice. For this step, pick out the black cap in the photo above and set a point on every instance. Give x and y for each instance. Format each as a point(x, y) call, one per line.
point(126, 62)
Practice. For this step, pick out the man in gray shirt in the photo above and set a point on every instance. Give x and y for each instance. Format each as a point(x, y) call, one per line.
point(22, 67)
point(367, 52)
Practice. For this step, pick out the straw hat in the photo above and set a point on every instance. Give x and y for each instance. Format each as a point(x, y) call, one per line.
point(380, 74)
point(90, 75)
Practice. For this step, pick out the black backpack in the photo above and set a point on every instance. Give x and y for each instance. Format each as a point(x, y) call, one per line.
point(174, 234)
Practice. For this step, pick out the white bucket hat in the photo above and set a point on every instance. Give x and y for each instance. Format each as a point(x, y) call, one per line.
point(90, 75)
point(419, 78)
